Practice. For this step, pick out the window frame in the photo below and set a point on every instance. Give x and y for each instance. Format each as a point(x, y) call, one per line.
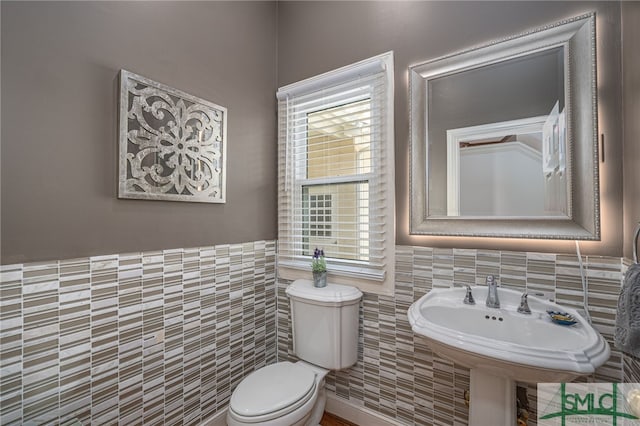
point(362, 274)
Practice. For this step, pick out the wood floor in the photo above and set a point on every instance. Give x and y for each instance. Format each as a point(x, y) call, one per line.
point(331, 420)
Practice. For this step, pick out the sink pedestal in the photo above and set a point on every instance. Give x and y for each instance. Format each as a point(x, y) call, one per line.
point(492, 399)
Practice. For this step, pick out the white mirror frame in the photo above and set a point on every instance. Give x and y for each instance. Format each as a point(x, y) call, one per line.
point(577, 38)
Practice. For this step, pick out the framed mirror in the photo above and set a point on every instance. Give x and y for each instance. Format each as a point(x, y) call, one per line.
point(504, 138)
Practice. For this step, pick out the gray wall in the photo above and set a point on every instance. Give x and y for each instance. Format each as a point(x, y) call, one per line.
point(59, 141)
point(314, 37)
point(60, 62)
point(631, 107)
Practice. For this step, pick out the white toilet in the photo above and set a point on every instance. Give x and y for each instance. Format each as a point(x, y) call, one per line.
point(325, 337)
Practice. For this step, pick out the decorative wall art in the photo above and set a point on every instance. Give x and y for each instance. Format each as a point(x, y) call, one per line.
point(172, 145)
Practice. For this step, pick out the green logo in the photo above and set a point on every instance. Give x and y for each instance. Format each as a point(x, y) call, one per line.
point(567, 404)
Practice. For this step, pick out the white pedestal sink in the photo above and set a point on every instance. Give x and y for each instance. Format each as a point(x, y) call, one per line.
point(502, 346)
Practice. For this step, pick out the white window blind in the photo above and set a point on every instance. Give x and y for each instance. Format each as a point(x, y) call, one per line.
point(336, 170)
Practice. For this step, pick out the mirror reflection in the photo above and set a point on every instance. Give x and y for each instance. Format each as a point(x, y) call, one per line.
point(495, 137)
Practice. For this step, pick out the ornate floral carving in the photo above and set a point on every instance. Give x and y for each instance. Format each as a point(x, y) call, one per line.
point(172, 144)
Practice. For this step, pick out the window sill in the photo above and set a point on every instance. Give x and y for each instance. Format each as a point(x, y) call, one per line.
point(366, 281)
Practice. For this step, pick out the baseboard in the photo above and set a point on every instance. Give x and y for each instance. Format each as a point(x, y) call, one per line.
point(357, 414)
point(218, 419)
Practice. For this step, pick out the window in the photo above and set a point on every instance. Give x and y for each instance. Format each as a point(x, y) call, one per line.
point(319, 222)
point(336, 181)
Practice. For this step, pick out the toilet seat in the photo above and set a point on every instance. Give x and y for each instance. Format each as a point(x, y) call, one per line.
point(272, 392)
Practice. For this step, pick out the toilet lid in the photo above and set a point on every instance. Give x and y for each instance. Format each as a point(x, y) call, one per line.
point(273, 388)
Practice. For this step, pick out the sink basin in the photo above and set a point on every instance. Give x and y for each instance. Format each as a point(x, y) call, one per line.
point(502, 346)
point(528, 348)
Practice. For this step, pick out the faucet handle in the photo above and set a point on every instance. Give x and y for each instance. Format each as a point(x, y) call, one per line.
point(491, 280)
point(524, 304)
point(468, 298)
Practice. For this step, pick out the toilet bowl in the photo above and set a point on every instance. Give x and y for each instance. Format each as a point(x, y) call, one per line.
point(281, 394)
point(325, 337)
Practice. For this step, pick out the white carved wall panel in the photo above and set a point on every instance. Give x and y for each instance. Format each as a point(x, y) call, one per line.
point(172, 144)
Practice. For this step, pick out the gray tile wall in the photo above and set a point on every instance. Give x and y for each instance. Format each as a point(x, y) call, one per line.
point(398, 375)
point(142, 338)
point(164, 337)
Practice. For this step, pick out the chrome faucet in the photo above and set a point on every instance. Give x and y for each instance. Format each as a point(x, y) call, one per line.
point(524, 305)
point(468, 298)
point(492, 294)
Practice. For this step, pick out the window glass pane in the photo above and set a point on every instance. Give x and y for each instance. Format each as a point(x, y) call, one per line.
point(336, 139)
point(341, 226)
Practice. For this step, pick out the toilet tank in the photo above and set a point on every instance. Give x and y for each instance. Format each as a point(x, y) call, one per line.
point(325, 323)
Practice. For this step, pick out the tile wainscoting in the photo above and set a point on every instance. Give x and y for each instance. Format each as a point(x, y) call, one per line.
point(165, 336)
point(397, 374)
point(155, 337)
